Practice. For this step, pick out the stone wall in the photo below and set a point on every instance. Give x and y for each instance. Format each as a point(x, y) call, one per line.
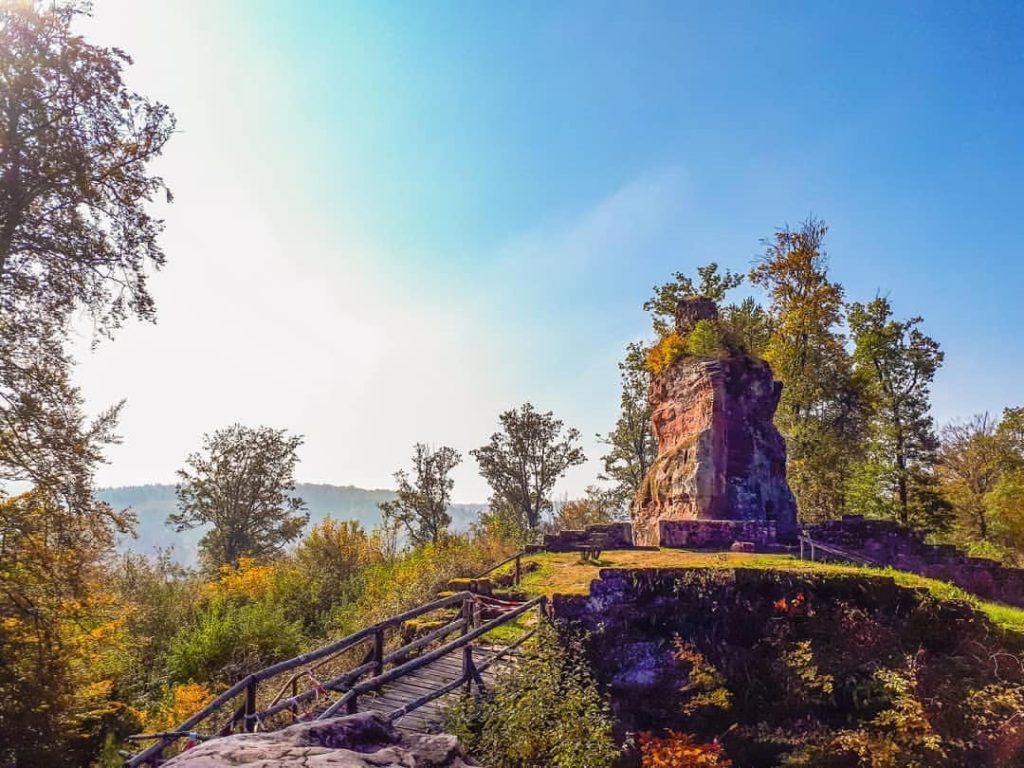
point(714, 534)
point(888, 543)
point(618, 535)
point(634, 617)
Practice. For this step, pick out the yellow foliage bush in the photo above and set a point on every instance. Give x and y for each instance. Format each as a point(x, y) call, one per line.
point(179, 704)
point(669, 348)
point(248, 582)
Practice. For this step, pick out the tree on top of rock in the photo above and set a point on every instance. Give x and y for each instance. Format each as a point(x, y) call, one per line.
point(523, 461)
point(241, 483)
point(711, 285)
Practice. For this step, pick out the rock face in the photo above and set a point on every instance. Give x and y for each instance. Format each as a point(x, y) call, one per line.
point(356, 741)
point(720, 457)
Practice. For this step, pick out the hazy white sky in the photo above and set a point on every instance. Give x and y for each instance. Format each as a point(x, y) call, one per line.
point(393, 221)
point(275, 308)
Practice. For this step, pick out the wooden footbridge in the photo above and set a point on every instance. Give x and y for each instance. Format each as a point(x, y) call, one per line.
point(387, 668)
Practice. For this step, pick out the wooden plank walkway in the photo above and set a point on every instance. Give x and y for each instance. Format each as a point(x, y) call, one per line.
point(447, 669)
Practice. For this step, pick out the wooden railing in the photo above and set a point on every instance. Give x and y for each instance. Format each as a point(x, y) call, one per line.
point(517, 572)
point(251, 717)
point(814, 545)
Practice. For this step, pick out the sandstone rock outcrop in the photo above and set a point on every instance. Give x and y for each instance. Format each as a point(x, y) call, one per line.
point(356, 741)
point(720, 457)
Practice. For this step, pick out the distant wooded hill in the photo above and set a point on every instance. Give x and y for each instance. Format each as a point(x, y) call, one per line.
point(152, 504)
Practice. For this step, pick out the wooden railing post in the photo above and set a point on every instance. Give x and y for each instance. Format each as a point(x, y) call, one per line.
point(249, 716)
point(467, 666)
point(519, 570)
point(801, 547)
point(378, 652)
point(542, 608)
point(353, 704)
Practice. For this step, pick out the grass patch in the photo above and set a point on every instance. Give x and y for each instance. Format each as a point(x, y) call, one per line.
point(511, 631)
point(565, 574)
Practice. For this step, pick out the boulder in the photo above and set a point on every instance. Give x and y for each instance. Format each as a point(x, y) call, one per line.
point(355, 741)
point(720, 456)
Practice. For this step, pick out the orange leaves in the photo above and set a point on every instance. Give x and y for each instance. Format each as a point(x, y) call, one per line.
point(796, 607)
point(680, 750)
point(669, 348)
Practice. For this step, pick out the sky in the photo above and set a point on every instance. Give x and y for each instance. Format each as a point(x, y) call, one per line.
point(392, 221)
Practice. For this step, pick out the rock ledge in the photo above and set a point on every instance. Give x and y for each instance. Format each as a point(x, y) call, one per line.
point(356, 741)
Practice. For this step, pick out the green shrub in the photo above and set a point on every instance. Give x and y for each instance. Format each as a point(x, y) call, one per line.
point(227, 641)
point(547, 711)
point(706, 339)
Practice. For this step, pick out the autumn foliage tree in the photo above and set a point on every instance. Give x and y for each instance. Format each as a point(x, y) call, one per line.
point(75, 180)
point(76, 233)
point(822, 411)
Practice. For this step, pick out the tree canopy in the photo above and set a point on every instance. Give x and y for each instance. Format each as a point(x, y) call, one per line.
point(523, 461)
point(631, 444)
point(423, 497)
point(241, 483)
point(75, 180)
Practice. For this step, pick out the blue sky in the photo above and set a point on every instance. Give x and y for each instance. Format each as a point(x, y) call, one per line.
point(395, 219)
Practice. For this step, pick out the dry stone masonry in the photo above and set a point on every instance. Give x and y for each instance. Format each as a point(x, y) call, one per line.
point(888, 543)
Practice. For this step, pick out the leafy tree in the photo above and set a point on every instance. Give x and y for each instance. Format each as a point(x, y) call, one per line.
point(822, 410)
point(74, 174)
point(711, 284)
point(899, 361)
point(525, 459)
point(45, 438)
point(241, 484)
point(422, 503)
point(75, 234)
point(749, 325)
point(597, 507)
point(971, 460)
point(631, 445)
